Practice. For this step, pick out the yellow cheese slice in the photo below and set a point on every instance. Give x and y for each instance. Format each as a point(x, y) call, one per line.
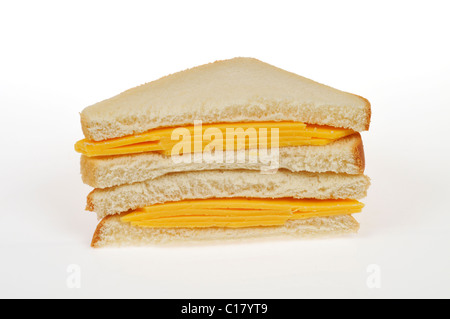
point(160, 140)
point(212, 221)
point(237, 212)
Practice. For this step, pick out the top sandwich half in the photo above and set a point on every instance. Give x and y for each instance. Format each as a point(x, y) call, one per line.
point(128, 137)
point(239, 90)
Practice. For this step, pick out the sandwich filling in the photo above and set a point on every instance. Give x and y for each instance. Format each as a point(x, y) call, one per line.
point(237, 212)
point(193, 138)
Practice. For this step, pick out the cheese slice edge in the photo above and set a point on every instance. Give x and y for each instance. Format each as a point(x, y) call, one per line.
point(237, 212)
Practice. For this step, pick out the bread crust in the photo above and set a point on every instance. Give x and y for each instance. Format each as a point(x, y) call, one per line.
point(360, 156)
point(368, 112)
point(89, 202)
point(98, 231)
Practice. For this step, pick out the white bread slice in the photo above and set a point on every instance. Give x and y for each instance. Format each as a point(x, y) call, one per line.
point(236, 90)
point(345, 155)
point(226, 184)
point(112, 232)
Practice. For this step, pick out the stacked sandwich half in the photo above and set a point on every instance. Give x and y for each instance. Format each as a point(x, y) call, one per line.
point(158, 177)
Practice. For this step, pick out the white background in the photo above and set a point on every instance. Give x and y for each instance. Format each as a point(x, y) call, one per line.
point(57, 57)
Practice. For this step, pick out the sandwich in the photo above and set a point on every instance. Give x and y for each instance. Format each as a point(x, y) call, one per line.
point(232, 150)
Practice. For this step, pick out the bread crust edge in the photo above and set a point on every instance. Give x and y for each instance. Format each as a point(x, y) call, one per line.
point(368, 111)
point(360, 158)
point(98, 232)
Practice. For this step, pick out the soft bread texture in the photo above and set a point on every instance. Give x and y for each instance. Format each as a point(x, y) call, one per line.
point(236, 90)
point(112, 232)
point(226, 184)
point(345, 155)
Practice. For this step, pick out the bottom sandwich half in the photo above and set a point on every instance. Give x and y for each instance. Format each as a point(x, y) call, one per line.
point(221, 206)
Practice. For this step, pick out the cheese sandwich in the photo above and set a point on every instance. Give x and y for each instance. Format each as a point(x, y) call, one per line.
point(231, 150)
